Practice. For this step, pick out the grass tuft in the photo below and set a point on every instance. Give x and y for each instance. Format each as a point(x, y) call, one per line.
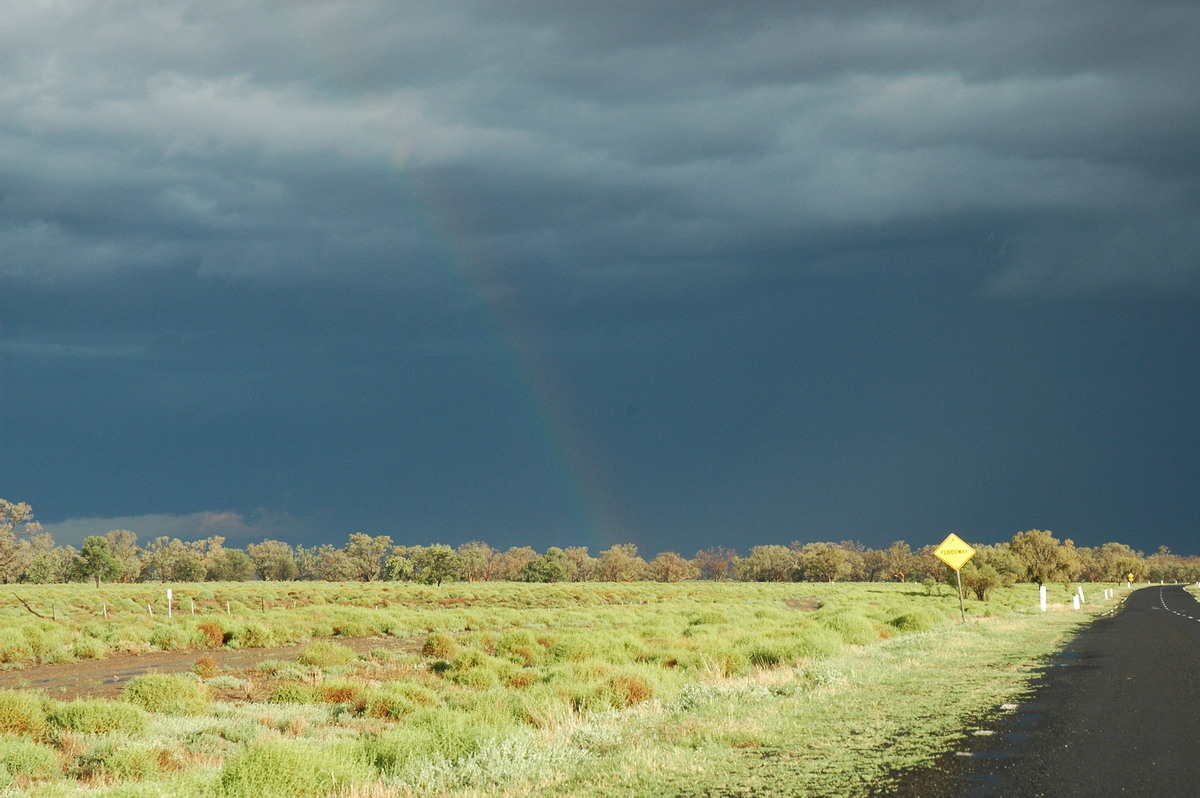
point(291, 769)
point(23, 714)
point(326, 654)
point(168, 693)
point(96, 716)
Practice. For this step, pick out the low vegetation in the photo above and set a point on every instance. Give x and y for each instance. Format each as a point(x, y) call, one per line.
point(595, 689)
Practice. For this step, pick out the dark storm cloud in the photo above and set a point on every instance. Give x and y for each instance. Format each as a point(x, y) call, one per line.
point(280, 220)
point(251, 143)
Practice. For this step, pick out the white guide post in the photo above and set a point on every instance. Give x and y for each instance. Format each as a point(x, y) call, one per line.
point(1042, 592)
point(168, 602)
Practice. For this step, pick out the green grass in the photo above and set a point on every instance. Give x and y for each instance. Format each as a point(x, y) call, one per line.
point(168, 693)
point(589, 690)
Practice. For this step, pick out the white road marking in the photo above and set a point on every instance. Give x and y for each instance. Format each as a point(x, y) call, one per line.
point(1162, 600)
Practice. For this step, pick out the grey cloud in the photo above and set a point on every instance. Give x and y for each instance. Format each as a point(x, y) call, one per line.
point(237, 529)
point(308, 140)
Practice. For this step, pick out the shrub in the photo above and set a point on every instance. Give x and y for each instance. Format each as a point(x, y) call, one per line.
point(419, 694)
point(817, 642)
point(724, 662)
point(428, 733)
point(625, 690)
point(522, 679)
point(475, 669)
point(324, 654)
point(23, 714)
point(393, 750)
point(205, 667)
point(89, 648)
point(288, 769)
point(477, 678)
point(520, 645)
point(96, 716)
point(211, 633)
point(250, 635)
point(385, 703)
point(14, 647)
point(227, 681)
point(440, 646)
point(917, 621)
point(853, 628)
point(292, 693)
point(168, 693)
point(25, 758)
point(767, 656)
point(120, 757)
point(339, 692)
point(170, 637)
point(397, 699)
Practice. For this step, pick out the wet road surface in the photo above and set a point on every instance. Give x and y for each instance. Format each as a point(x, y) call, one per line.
point(1118, 713)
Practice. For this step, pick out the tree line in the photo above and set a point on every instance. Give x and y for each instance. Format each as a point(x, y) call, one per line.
point(29, 554)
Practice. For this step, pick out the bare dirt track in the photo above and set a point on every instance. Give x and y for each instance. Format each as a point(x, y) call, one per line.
point(1116, 714)
point(106, 678)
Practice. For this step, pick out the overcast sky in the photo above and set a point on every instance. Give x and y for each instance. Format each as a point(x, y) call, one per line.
point(680, 274)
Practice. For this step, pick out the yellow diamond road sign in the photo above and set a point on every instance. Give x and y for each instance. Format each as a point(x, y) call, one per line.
point(954, 551)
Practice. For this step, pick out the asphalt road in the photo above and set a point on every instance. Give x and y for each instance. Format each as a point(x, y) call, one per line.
point(1118, 713)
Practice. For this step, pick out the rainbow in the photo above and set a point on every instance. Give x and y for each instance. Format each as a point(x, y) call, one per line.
point(545, 401)
point(568, 454)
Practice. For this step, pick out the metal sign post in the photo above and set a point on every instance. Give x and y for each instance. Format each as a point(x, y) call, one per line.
point(955, 552)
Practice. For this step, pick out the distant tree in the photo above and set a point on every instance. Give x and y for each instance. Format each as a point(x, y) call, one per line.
point(927, 566)
point(172, 560)
point(620, 563)
point(331, 564)
point(1045, 558)
point(398, 567)
point(856, 554)
point(366, 555)
point(980, 578)
point(510, 566)
point(899, 561)
point(123, 544)
point(436, 564)
point(1117, 561)
point(874, 565)
point(585, 564)
point(49, 567)
point(233, 565)
point(553, 566)
point(670, 566)
point(823, 562)
point(1166, 567)
point(16, 523)
point(95, 561)
point(769, 563)
point(715, 562)
point(273, 560)
point(478, 561)
point(1008, 566)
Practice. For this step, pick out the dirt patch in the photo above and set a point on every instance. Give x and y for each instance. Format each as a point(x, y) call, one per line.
point(802, 604)
point(106, 678)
